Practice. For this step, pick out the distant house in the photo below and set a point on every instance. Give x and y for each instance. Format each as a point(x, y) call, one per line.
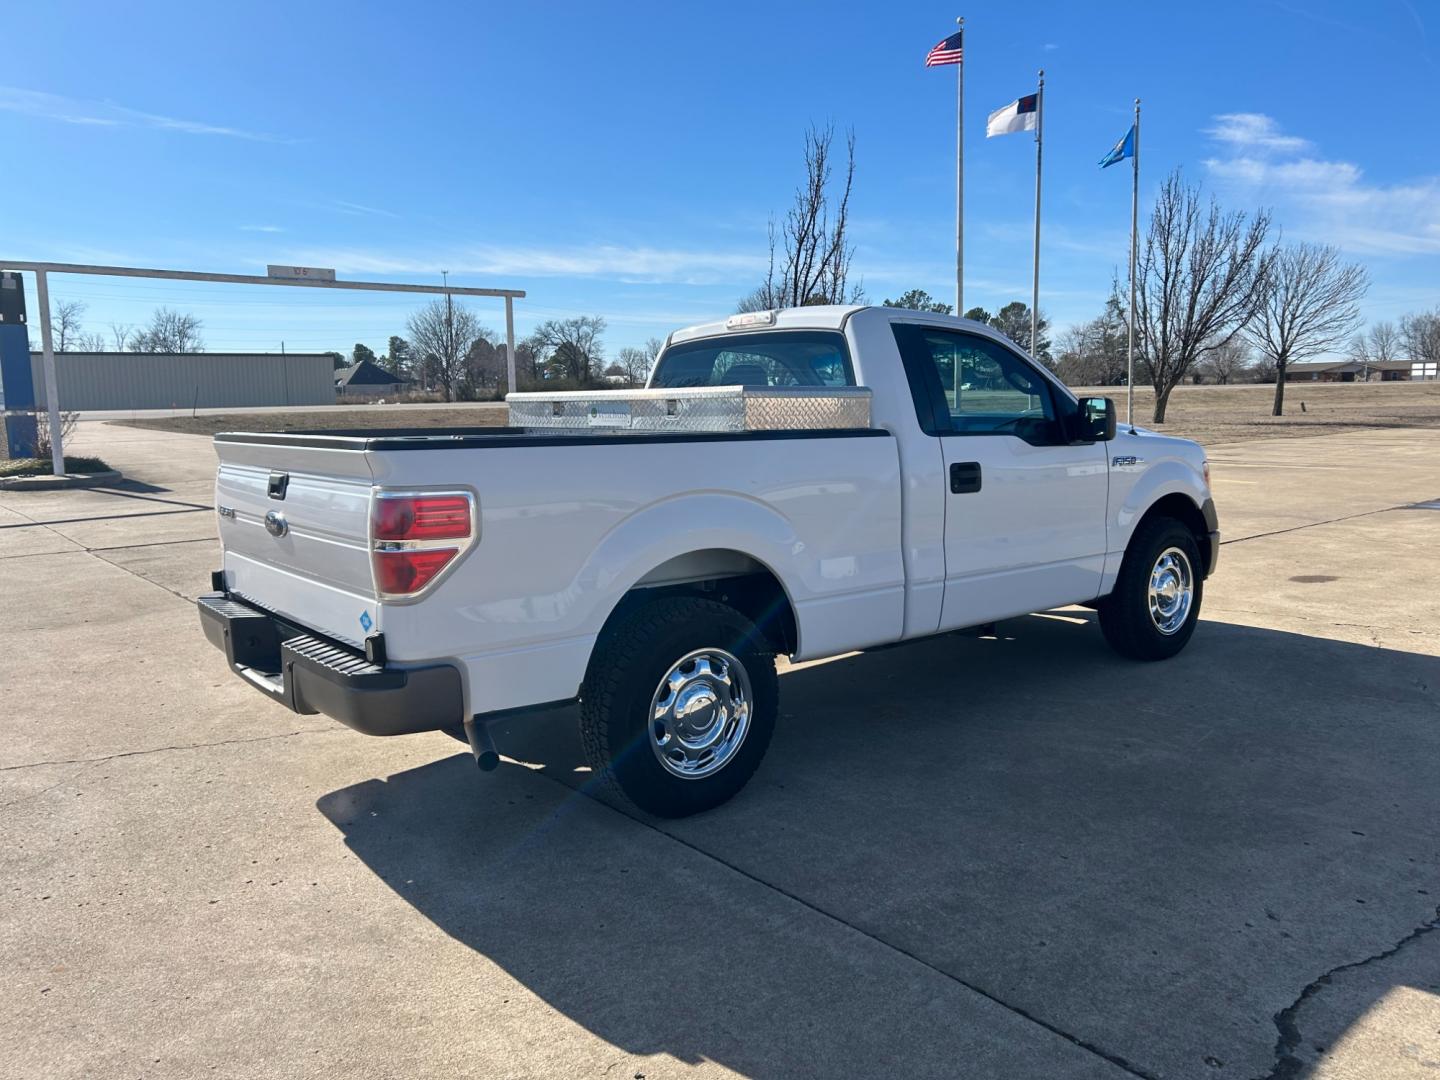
point(1350, 371)
point(367, 379)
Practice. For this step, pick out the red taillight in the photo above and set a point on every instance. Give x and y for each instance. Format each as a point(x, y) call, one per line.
point(414, 537)
point(422, 517)
point(409, 571)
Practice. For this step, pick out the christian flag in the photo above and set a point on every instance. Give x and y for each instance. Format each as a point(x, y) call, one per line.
point(1019, 115)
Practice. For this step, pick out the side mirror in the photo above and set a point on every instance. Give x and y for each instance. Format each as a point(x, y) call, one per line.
point(1094, 420)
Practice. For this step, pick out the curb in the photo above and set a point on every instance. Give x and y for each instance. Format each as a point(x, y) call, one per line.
point(55, 483)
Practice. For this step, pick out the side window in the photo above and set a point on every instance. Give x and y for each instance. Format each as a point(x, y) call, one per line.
point(976, 386)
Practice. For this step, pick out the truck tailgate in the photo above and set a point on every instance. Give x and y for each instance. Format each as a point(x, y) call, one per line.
point(294, 525)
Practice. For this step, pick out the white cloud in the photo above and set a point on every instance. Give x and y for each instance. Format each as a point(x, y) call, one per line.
point(1254, 132)
point(1329, 201)
point(107, 114)
point(648, 265)
point(361, 210)
point(261, 228)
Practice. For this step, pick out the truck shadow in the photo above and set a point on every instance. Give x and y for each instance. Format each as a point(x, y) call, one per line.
point(1155, 859)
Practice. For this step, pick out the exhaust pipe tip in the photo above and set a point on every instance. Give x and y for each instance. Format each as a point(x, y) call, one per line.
point(487, 758)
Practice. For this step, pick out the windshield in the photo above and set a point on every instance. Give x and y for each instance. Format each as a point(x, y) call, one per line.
point(782, 358)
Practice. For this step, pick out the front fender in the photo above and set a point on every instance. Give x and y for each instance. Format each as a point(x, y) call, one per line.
point(1166, 477)
point(1129, 503)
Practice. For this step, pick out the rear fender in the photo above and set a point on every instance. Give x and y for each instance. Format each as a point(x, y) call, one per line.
point(681, 525)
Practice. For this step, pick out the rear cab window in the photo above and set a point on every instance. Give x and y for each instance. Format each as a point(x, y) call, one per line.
point(778, 358)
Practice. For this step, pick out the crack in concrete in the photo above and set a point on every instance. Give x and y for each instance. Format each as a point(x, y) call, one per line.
point(80, 550)
point(165, 749)
point(1289, 1067)
point(1313, 524)
point(45, 790)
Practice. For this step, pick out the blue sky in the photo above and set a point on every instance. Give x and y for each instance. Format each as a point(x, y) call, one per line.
point(623, 160)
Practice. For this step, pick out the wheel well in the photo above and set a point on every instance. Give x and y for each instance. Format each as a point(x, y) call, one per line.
point(1183, 509)
point(731, 577)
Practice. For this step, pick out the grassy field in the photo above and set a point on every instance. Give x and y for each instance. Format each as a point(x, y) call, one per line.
point(1209, 414)
point(1219, 414)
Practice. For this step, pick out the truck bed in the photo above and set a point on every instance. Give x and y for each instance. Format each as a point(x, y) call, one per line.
point(562, 533)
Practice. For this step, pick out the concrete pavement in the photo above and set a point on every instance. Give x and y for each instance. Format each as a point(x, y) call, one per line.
point(1008, 856)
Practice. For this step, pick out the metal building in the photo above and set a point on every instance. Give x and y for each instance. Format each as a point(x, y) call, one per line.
point(89, 382)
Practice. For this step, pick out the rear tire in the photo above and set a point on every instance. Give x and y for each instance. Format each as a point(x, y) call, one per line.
point(678, 706)
point(1153, 609)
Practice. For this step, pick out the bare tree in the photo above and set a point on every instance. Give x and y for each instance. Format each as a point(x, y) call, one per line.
point(1227, 363)
point(1384, 342)
point(1094, 353)
point(1378, 345)
point(1201, 278)
point(121, 332)
point(635, 365)
point(169, 332)
point(441, 334)
point(1311, 303)
point(815, 264)
point(572, 347)
point(90, 343)
point(65, 324)
point(1421, 336)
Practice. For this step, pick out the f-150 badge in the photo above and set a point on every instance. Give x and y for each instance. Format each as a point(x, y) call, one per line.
point(1126, 461)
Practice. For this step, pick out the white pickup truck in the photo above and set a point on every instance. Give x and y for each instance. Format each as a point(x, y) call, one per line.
point(432, 579)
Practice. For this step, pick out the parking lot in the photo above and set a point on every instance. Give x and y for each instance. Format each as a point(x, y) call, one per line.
point(974, 856)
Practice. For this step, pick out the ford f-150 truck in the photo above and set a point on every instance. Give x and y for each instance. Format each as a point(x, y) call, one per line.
point(433, 579)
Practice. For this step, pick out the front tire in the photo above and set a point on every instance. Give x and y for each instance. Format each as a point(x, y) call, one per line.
point(678, 706)
point(1153, 609)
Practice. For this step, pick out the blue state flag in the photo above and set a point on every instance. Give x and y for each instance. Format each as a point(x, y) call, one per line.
point(1121, 150)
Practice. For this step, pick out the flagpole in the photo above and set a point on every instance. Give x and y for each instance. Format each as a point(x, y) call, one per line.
point(1134, 236)
point(960, 176)
point(1039, 136)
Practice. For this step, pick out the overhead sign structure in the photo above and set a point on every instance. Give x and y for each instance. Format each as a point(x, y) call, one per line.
point(301, 276)
point(310, 273)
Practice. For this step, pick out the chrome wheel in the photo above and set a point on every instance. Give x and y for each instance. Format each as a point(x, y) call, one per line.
point(700, 713)
point(1172, 590)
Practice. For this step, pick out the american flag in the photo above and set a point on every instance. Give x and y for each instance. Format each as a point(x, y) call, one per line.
point(947, 52)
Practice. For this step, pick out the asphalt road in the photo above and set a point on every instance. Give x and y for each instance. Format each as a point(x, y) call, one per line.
point(1009, 856)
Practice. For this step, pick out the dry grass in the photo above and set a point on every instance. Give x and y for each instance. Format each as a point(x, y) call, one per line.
point(1208, 414)
point(10, 467)
point(1220, 414)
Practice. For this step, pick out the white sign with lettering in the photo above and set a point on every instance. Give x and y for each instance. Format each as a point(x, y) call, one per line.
point(308, 273)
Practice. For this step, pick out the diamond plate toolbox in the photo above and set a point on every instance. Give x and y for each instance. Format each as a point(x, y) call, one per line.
point(703, 408)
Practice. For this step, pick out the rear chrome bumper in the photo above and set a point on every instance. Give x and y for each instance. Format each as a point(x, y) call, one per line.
point(310, 674)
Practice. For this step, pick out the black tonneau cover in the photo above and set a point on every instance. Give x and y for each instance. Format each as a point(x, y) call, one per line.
point(474, 438)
